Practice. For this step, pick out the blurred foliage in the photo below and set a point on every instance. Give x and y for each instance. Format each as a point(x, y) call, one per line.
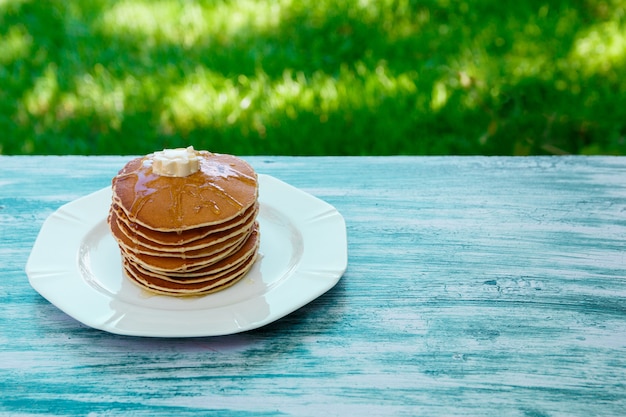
point(329, 78)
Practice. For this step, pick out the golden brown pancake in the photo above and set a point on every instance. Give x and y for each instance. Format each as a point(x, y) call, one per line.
point(219, 286)
point(188, 235)
point(225, 267)
point(196, 286)
point(224, 264)
point(181, 264)
point(195, 249)
point(184, 237)
point(223, 188)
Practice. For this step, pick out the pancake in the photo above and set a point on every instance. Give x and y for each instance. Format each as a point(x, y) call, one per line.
point(183, 237)
point(223, 188)
point(220, 269)
point(194, 287)
point(195, 249)
point(181, 264)
point(185, 221)
point(219, 286)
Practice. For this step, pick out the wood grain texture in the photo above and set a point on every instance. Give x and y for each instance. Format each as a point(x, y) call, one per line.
point(476, 286)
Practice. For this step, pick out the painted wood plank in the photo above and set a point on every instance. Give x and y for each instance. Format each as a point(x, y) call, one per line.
point(475, 286)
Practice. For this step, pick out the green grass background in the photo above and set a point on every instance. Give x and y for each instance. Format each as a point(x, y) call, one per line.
point(292, 77)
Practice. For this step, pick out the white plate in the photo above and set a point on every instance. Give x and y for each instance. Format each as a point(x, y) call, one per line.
point(75, 264)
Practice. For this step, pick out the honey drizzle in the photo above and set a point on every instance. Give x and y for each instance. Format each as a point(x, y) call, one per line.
point(148, 183)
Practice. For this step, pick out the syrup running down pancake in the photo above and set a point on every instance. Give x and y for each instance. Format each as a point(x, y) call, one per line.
point(188, 234)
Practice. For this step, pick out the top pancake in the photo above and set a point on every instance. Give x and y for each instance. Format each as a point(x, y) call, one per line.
point(223, 188)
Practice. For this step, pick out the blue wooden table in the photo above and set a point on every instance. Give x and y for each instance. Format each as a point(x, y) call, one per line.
point(475, 286)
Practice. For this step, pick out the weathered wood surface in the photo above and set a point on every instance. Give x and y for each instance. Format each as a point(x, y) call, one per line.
point(475, 286)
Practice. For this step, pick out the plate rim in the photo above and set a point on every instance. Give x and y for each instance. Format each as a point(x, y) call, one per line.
point(41, 278)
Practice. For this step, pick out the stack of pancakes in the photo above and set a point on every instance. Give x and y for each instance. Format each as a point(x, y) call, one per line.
point(189, 235)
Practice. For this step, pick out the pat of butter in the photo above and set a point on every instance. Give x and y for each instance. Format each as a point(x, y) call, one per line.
point(179, 162)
